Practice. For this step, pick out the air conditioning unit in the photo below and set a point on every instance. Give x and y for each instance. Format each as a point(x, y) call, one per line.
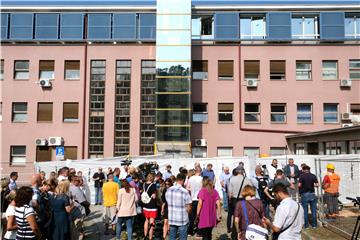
point(347, 125)
point(200, 143)
point(41, 142)
point(45, 83)
point(56, 141)
point(345, 83)
point(251, 82)
point(346, 116)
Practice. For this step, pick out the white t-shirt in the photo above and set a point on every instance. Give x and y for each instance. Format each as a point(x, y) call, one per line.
point(10, 211)
point(284, 215)
point(195, 185)
point(61, 177)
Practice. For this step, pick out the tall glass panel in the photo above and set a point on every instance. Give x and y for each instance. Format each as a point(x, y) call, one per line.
point(173, 71)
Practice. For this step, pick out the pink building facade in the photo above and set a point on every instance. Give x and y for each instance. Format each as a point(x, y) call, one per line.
point(246, 96)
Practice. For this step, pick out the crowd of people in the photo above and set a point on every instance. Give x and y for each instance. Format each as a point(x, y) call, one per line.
point(142, 200)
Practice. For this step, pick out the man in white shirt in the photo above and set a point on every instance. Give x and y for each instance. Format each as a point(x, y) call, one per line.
point(63, 174)
point(272, 169)
point(194, 186)
point(289, 216)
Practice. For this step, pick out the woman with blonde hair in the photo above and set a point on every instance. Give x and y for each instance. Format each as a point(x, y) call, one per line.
point(61, 207)
point(208, 209)
point(149, 207)
point(254, 211)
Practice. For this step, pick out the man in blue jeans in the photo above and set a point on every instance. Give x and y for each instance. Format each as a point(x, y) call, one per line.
point(224, 178)
point(98, 178)
point(307, 183)
point(179, 207)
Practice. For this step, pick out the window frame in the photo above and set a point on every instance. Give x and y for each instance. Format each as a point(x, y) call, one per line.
point(336, 70)
point(282, 75)
point(284, 113)
point(308, 70)
point(2, 71)
point(226, 112)
point(354, 31)
point(311, 113)
point(41, 71)
point(37, 112)
point(203, 36)
point(21, 70)
point(204, 115)
point(354, 69)
point(225, 148)
point(204, 74)
point(258, 113)
point(14, 112)
point(225, 78)
point(22, 156)
point(328, 113)
point(70, 120)
point(303, 35)
point(65, 70)
point(252, 20)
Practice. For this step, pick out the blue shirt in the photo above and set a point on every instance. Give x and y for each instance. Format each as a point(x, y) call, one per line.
point(224, 177)
point(207, 173)
point(12, 185)
point(167, 175)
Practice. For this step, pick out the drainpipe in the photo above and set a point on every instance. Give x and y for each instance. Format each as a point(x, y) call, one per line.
point(240, 107)
point(84, 92)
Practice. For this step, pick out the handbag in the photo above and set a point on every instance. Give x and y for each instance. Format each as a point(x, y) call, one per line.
point(253, 231)
point(145, 198)
point(275, 235)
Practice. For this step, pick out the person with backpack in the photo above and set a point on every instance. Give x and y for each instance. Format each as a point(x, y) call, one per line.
point(248, 216)
point(148, 199)
point(289, 216)
point(260, 182)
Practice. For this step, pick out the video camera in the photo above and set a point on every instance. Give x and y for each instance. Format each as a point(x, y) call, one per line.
point(150, 167)
point(356, 201)
point(126, 162)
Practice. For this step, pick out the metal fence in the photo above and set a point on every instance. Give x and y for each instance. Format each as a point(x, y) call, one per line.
point(348, 168)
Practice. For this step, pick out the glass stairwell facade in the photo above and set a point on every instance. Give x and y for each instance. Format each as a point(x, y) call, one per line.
point(173, 76)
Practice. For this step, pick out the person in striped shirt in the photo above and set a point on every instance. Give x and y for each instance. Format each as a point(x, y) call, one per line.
point(25, 215)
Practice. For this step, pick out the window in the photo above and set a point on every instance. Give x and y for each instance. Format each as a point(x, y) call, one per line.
point(21, 70)
point(202, 27)
point(43, 153)
point(71, 112)
point(303, 70)
point(305, 27)
point(332, 148)
point(252, 70)
point(329, 70)
point(331, 113)
point(225, 112)
point(200, 69)
point(252, 152)
point(355, 108)
point(200, 112)
point(70, 153)
point(354, 69)
point(47, 69)
point(252, 113)
point(17, 155)
point(352, 26)
point(199, 152)
point(278, 112)
point(19, 112)
point(72, 70)
point(304, 113)
point(225, 70)
point(277, 70)
point(2, 69)
point(277, 151)
point(225, 151)
point(354, 147)
point(299, 149)
point(252, 27)
point(45, 112)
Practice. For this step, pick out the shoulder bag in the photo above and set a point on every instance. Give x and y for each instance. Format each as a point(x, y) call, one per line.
point(145, 198)
point(253, 231)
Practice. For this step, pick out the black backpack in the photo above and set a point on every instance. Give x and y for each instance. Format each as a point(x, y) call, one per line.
point(262, 184)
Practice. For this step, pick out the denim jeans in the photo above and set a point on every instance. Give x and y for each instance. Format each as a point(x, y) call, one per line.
point(182, 232)
point(98, 195)
point(192, 217)
point(225, 200)
point(129, 221)
point(306, 199)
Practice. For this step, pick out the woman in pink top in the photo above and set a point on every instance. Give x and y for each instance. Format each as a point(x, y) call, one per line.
point(126, 207)
point(208, 209)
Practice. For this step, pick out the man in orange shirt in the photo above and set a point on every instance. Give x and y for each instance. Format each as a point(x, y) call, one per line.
point(331, 187)
point(110, 192)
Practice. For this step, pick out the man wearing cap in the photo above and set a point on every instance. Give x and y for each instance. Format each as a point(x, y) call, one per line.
point(330, 185)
